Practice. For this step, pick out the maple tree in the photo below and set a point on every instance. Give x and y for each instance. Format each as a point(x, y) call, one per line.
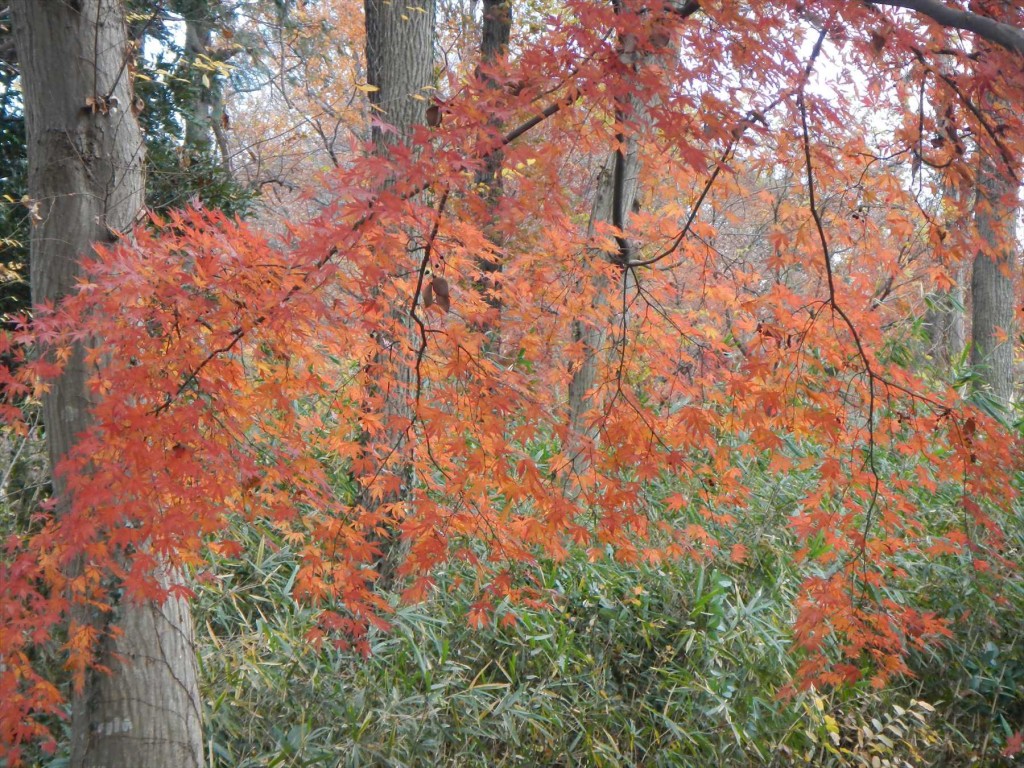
point(252, 372)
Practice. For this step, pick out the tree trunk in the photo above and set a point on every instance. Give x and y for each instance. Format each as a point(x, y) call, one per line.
point(204, 108)
point(992, 334)
point(594, 335)
point(199, 112)
point(85, 183)
point(147, 712)
point(614, 198)
point(944, 317)
point(995, 218)
point(496, 28)
point(400, 64)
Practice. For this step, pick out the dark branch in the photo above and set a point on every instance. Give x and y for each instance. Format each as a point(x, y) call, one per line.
point(1004, 35)
point(684, 10)
point(428, 251)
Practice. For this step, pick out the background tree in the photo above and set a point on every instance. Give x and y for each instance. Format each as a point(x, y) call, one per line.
point(996, 207)
point(399, 66)
point(297, 99)
point(14, 286)
point(495, 30)
point(400, 79)
point(180, 105)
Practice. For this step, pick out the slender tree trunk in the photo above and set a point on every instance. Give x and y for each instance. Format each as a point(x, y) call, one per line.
point(204, 108)
point(594, 335)
point(85, 182)
point(400, 64)
point(496, 29)
point(944, 318)
point(614, 198)
point(201, 105)
point(992, 278)
point(992, 309)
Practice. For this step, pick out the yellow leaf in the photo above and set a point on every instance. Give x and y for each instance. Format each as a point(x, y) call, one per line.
point(366, 87)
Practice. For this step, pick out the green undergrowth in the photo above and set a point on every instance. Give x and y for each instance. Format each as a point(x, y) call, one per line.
point(676, 665)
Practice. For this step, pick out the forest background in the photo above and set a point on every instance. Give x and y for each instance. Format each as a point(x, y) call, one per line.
point(494, 383)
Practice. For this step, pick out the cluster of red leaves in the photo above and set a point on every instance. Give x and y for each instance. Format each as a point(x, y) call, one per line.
point(241, 372)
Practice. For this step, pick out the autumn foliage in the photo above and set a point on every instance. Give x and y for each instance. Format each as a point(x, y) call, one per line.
point(794, 157)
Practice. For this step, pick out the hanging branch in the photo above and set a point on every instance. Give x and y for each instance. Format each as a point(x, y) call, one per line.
point(428, 250)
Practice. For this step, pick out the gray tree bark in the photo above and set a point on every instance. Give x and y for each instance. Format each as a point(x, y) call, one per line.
point(86, 184)
point(204, 105)
point(400, 64)
point(495, 31)
point(593, 334)
point(944, 318)
point(992, 306)
point(992, 277)
point(204, 109)
point(614, 198)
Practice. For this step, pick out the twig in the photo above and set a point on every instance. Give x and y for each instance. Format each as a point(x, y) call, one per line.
point(424, 264)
